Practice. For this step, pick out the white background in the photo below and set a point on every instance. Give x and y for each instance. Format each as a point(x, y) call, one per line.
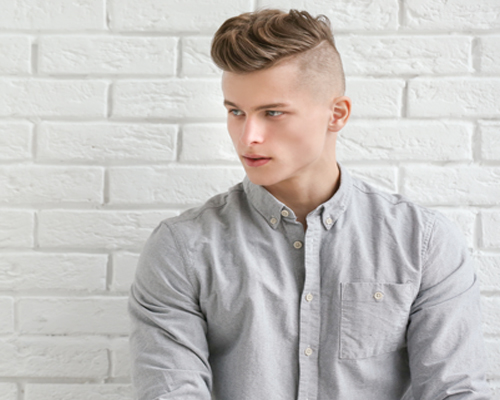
point(111, 119)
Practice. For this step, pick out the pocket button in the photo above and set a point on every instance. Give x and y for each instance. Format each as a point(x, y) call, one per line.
point(378, 295)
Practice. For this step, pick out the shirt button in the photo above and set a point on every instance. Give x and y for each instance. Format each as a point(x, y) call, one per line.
point(378, 295)
point(285, 213)
point(308, 351)
point(329, 221)
point(297, 244)
point(309, 297)
point(273, 220)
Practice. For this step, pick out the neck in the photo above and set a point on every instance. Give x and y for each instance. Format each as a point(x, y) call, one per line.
point(304, 195)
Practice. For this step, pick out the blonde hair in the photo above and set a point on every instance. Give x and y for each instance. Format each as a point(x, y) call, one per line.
point(258, 40)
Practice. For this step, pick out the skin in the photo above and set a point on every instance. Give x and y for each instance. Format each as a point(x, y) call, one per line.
point(271, 113)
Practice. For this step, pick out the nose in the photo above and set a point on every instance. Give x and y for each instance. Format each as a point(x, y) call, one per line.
point(252, 132)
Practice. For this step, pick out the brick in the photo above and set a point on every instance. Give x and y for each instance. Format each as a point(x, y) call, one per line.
point(490, 54)
point(447, 15)
point(454, 97)
point(387, 55)
point(196, 60)
point(207, 142)
point(106, 142)
point(383, 178)
point(405, 140)
point(120, 359)
point(345, 14)
point(462, 185)
point(61, 315)
point(124, 266)
point(491, 315)
point(488, 270)
point(490, 140)
point(186, 16)
point(15, 141)
point(76, 391)
point(54, 357)
point(16, 54)
point(108, 55)
point(169, 99)
point(8, 391)
point(375, 97)
point(108, 229)
point(26, 184)
point(16, 228)
point(45, 271)
point(493, 352)
point(490, 221)
point(465, 220)
point(55, 14)
point(6, 315)
point(170, 185)
point(51, 98)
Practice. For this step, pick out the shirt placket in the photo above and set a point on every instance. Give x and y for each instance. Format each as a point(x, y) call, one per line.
point(310, 313)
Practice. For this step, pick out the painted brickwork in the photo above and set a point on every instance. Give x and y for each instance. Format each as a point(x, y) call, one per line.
point(111, 120)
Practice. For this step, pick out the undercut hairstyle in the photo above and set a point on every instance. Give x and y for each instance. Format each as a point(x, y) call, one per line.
point(258, 40)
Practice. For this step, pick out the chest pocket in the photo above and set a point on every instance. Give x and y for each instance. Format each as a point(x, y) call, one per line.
point(374, 318)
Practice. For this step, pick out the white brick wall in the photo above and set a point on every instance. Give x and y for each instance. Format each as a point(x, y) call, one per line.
point(111, 120)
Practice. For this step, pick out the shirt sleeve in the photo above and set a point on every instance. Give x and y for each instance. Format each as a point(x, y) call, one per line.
point(445, 342)
point(169, 351)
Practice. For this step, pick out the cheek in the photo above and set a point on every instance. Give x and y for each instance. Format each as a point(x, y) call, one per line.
point(309, 139)
point(233, 130)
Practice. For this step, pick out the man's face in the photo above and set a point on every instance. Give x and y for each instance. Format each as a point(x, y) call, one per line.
point(279, 128)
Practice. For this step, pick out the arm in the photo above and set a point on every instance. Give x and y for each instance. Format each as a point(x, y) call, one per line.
point(445, 343)
point(168, 342)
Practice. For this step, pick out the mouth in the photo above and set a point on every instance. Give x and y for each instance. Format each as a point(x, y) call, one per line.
point(255, 160)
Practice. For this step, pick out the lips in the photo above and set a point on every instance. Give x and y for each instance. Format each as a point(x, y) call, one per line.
point(255, 160)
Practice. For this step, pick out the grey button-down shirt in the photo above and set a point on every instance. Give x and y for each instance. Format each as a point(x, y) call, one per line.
point(376, 300)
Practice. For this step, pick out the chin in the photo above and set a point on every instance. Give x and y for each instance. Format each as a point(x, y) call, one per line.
point(262, 179)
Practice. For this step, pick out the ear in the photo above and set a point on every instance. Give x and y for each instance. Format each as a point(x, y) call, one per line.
point(340, 113)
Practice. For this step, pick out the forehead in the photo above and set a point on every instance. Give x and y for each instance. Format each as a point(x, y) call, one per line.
point(279, 80)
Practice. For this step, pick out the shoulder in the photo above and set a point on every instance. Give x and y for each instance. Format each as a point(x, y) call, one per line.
point(383, 204)
point(217, 210)
point(419, 224)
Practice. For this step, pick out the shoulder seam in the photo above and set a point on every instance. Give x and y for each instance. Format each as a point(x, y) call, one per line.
point(182, 253)
point(382, 195)
point(427, 237)
point(201, 209)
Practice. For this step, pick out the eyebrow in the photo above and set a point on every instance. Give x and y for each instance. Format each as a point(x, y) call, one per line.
point(262, 107)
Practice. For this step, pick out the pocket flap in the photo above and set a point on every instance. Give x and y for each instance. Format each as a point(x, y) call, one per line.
point(364, 292)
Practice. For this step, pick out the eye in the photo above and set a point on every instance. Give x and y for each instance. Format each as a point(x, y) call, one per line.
point(236, 112)
point(272, 113)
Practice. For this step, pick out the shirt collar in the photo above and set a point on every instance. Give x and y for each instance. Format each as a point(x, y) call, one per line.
point(274, 210)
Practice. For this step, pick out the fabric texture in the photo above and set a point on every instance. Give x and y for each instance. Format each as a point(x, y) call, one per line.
point(376, 300)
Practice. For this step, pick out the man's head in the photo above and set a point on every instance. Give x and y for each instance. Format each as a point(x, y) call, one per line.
point(256, 41)
point(283, 86)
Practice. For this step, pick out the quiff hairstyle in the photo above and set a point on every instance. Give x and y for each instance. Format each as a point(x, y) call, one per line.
point(258, 40)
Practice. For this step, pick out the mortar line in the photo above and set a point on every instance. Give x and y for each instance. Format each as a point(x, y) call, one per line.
point(180, 49)
point(34, 57)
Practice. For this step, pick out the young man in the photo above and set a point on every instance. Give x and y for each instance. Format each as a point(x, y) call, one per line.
point(301, 282)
